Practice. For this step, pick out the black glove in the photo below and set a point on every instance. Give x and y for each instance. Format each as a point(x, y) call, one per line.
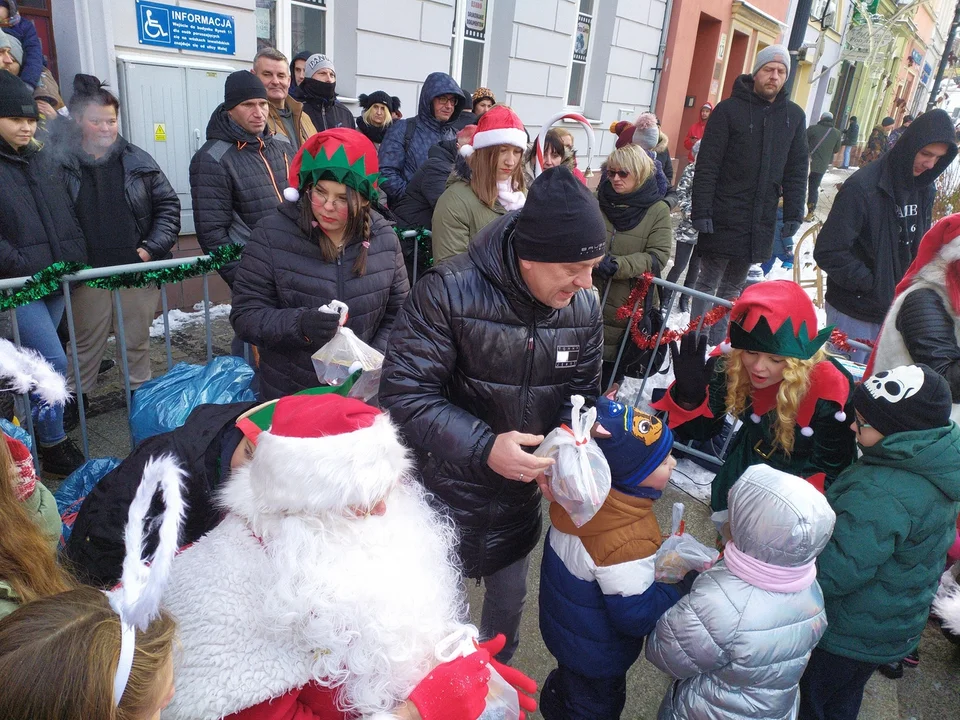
point(687, 582)
point(318, 328)
point(691, 370)
point(608, 266)
point(789, 229)
point(704, 225)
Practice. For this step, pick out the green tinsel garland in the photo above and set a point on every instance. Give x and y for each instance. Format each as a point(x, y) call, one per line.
point(425, 252)
point(48, 281)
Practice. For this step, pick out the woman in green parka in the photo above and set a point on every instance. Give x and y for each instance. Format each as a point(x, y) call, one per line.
point(792, 398)
point(639, 227)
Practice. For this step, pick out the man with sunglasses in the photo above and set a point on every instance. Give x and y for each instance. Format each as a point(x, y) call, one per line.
point(404, 148)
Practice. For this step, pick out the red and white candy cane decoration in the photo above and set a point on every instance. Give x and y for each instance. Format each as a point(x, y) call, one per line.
point(538, 157)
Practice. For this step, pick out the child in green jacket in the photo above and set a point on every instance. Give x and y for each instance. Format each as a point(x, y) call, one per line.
point(896, 511)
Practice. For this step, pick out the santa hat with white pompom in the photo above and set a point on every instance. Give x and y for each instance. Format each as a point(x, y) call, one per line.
point(342, 155)
point(497, 126)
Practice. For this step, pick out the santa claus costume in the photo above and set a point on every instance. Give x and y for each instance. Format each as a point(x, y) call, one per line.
point(328, 586)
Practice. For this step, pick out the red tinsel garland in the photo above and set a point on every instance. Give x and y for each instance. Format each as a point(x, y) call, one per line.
point(839, 339)
point(642, 339)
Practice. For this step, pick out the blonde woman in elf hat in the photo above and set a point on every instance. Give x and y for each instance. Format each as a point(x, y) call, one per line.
point(792, 398)
point(339, 578)
point(324, 243)
point(489, 184)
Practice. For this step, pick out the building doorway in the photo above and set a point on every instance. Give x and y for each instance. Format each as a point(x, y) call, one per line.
point(738, 55)
point(38, 12)
point(701, 72)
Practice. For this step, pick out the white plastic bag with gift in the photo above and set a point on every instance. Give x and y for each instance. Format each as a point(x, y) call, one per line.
point(502, 703)
point(344, 354)
point(580, 477)
point(681, 552)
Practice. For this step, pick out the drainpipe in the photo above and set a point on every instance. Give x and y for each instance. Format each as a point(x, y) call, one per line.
point(660, 55)
point(947, 49)
point(800, 20)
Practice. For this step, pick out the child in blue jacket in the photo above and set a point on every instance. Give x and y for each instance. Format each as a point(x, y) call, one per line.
point(19, 27)
point(598, 597)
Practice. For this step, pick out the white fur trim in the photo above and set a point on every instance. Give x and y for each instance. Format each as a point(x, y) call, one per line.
point(313, 476)
point(26, 370)
point(629, 578)
point(291, 194)
point(946, 606)
point(807, 431)
point(466, 151)
point(756, 418)
point(840, 415)
point(500, 136)
point(725, 348)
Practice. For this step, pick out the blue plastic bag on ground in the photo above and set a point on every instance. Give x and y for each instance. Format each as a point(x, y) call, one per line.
point(16, 432)
point(72, 491)
point(164, 403)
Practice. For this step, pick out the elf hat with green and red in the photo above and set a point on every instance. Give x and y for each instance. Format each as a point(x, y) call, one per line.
point(343, 155)
point(776, 317)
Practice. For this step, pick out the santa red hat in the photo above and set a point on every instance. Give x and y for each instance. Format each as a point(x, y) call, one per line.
point(342, 155)
point(25, 481)
point(497, 126)
point(322, 454)
point(938, 243)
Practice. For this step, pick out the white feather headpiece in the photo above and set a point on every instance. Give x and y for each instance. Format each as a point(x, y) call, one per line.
point(137, 599)
point(24, 370)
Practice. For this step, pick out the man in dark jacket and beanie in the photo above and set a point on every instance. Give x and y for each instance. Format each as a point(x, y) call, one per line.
point(753, 152)
point(404, 148)
point(298, 69)
point(823, 139)
point(482, 362)
point(878, 217)
point(208, 445)
point(240, 173)
point(319, 88)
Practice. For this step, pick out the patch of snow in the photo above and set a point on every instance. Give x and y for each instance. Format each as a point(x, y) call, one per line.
point(179, 319)
point(693, 480)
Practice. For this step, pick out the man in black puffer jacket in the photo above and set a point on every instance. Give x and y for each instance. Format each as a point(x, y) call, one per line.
point(240, 173)
point(753, 151)
point(482, 362)
point(875, 225)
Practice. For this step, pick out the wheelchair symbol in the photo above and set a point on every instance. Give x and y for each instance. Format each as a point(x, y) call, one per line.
point(152, 28)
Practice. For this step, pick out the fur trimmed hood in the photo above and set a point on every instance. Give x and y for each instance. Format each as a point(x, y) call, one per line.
point(662, 142)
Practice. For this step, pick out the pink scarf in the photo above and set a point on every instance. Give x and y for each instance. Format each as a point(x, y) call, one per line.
point(766, 576)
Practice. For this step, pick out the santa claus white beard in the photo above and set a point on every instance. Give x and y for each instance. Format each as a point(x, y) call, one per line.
point(367, 599)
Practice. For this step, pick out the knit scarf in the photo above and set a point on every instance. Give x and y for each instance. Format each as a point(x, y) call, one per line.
point(625, 211)
point(510, 199)
point(765, 576)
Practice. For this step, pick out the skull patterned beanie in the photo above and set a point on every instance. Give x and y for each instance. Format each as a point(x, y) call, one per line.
point(905, 398)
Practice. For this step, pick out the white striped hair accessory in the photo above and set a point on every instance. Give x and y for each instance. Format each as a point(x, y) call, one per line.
point(137, 599)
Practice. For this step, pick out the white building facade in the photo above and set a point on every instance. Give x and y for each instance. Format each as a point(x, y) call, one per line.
point(169, 58)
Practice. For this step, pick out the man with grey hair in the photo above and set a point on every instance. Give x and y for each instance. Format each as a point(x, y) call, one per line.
point(287, 118)
point(320, 102)
point(824, 141)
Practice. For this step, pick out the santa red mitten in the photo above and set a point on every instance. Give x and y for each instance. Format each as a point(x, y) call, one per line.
point(517, 679)
point(455, 690)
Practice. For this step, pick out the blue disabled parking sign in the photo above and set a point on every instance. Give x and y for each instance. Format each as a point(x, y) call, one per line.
point(183, 28)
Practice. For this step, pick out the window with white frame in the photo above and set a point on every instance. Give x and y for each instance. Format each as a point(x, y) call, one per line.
point(581, 53)
point(468, 50)
point(308, 26)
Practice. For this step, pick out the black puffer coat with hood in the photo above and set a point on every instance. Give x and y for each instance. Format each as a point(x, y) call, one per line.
point(401, 157)
point(474, 354)
point(236, 179)
point(283, 273)
point(752, 153)
point(878, 217)
point(296, 92)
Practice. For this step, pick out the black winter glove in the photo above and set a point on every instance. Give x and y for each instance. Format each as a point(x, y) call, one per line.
point(318, 328)
point(691, 369)
point(687, 582)
point(789, 229)
point(608, 267)
point(704, 225)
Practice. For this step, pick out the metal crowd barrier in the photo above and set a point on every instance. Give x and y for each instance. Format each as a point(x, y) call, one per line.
point(406, 234)
point(9, 286)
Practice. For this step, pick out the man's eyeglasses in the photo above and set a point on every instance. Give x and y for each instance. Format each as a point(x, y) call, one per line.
point(622, 174)
point(446, 99)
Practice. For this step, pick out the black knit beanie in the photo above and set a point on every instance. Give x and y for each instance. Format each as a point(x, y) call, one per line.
point(368, 101)
point(241, 86)
point(560, 222)
point(909, 397)
point(16, 99)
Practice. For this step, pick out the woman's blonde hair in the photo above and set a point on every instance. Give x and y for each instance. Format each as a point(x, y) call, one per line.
point(59, 656)
point(792, 390)
point(366, 116)
point(634, 159)
point(28, 563)
point(484, 164)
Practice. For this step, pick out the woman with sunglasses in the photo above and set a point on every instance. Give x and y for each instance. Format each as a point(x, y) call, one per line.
point(324, 243)
point(640, 231)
